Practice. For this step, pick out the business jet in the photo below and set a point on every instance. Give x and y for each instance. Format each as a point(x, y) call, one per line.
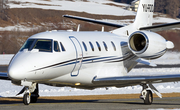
point(90, 60)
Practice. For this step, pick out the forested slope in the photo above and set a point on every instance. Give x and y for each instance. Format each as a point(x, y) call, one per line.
point(170, 7)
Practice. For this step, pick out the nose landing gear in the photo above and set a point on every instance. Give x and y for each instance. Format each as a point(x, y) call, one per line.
point(31, 94)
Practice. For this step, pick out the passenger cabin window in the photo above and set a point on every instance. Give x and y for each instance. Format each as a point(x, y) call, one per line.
point(105, 46)
point(56, 46)
point(98, 46)
point(85, 48)
point(113, 46)
point(62, 47)
point(92, 47)
point(43, 45)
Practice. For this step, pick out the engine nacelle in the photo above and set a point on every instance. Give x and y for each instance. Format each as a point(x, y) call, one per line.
point(147, 45)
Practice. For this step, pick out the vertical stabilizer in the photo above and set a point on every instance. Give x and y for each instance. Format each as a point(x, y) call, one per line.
point(144, 15)
point(144, 18)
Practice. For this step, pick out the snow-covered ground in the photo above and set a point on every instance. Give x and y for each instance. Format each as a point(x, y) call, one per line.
point(101, 7)
point(9, 90)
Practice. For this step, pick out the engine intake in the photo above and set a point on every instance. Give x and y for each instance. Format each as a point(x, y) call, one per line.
point(138, 42)
point(147, 44)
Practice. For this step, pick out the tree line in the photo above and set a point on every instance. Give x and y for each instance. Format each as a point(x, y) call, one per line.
point(170, 7)
point(3, 9)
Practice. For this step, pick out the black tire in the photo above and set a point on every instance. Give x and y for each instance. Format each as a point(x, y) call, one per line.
point(34, 99)
point(149, 98)
point(26, 99)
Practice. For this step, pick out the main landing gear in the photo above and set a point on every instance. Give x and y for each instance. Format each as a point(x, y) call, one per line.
point(146, 95)
point(31, 94)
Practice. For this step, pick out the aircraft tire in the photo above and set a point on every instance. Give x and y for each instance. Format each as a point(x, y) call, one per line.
point(149, 98)
point(26, 99)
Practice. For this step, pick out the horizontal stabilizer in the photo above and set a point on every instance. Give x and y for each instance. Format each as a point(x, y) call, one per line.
point(146, 62)
point(161, 27)
point(93, 21)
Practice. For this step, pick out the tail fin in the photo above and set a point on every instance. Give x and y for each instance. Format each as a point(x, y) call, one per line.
point(144, 15)
point(143, 18)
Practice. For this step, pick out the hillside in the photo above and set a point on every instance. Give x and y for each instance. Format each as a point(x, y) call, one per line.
point(26, 18)
point(170, 7)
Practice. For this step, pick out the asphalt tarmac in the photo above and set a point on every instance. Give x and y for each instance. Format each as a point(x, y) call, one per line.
point(102, 104)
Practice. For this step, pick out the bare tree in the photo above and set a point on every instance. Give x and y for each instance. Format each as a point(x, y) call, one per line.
point(3, 9)
point(172, 8)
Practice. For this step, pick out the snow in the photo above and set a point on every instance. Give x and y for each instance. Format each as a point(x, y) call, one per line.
point(9, 90)
point(164, 20)
point(5, 58)
point(99, 6)
point(168, 58)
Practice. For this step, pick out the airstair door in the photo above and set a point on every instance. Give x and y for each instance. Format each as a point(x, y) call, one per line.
point(78, 57)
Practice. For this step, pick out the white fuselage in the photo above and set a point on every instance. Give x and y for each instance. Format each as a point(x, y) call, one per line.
point(75, 64)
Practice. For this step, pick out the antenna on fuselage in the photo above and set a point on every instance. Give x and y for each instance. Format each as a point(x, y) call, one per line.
point(78, 28)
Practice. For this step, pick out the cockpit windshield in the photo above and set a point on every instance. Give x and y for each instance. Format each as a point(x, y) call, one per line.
point(43, 45)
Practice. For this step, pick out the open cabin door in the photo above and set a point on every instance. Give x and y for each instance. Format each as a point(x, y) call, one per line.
point(79, 56)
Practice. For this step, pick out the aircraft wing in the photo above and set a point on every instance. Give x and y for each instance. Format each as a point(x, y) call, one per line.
point(93, 21)
point(135, 80)
point(161, 27)
point(4, 76)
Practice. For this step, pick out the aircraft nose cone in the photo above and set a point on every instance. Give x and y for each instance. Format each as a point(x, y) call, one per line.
point(14, 73)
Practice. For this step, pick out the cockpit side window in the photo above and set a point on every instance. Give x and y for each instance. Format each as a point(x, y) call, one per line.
point(56, 46)
point(27, 44)
point(43, 45)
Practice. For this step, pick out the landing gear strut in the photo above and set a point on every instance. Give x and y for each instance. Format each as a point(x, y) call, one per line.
point(146, 95)
point(30, 97)
point(35, 95)
point(31, 94)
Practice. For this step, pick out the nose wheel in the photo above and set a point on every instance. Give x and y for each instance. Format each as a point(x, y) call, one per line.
point(27, 98)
